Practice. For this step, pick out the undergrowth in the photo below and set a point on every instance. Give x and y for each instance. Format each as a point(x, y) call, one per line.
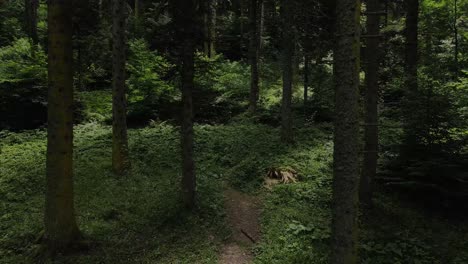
point(139, 219)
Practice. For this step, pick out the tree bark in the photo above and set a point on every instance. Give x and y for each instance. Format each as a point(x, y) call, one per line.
point(455, 36)
point(137, 9)
point(371, 137)
point(31, 7)
point(61, 229)
point(254, 51)
point(346, 135)
point(306, 78)
point(288, 46)
point(185, 24)
point(411, 48)
point(120, 152)
point(210, 28)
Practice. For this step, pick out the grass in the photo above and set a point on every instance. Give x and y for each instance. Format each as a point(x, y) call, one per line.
point(139, 219)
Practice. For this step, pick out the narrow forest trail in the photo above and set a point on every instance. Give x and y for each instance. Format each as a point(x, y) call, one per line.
point(243, 214)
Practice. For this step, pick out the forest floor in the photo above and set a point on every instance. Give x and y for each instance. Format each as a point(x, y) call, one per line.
point(243, 215)
point(139, 218)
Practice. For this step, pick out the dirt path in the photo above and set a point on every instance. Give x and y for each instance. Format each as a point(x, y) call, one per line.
point(243, 212)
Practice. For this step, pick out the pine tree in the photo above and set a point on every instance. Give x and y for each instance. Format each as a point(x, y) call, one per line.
point(346, 138)
point(288, 46)
point(371, 137)
point(61, 229)
point(184, 13)
point(120, 153)
point(255, 20)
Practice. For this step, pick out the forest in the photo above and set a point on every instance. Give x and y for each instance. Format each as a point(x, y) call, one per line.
point(234, 131)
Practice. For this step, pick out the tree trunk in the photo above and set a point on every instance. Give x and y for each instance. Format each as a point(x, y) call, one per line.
point(137, 9)
point(411, 49)
point(346, 138)
point(455, 36)
point(209, 21)
point(254, 51)
point(120, 153)
point(288, 46)
point(371, 140)
point(306, 78)
point(211, 28)
point(185, 24)
point(31, 7)
point(61, 229)
point(410, 104)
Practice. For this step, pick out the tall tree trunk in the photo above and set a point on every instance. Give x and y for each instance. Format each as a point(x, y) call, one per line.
point(346, 138)
point(209, 23)
point(120, 153)
point(61, 229)
point(137, 9)
point(410, 103)
point(31, 7)
point(455, 35)
point(254, 51)
point(371, 137)
point(241, 25)
point(306, 78)
point(185, 23)
point(288, 47)
point(411, 48)
point(211, 28)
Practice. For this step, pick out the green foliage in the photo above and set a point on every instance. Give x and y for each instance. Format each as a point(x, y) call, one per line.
point(221, 88)
point(21, 62)
point(97, 105)
point(11, 13)
point(150, 92)
point(23, 75)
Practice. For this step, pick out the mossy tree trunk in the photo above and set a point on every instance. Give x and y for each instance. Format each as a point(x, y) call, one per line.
point(61, 229)
point(255, 22)
point(288, 46)
point(120, 153)
point(371, 137)
point(346, 134)
point(185, 24)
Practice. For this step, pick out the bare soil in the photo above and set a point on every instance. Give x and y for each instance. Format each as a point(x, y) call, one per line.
point(243, 213)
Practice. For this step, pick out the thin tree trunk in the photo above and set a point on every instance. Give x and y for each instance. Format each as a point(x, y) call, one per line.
point(185, 24)
point(61, 229)
point(31, 7)
point(455, 33)
point(371, 137)
point(410, 103)
point(241, 26)
point(209, 27)
point(120, 153)
point(411, 49)
point(137, 9)
point(287, 68)
point(212, 28)
point(346, 138)
point(254, 52)
point(306, 78)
